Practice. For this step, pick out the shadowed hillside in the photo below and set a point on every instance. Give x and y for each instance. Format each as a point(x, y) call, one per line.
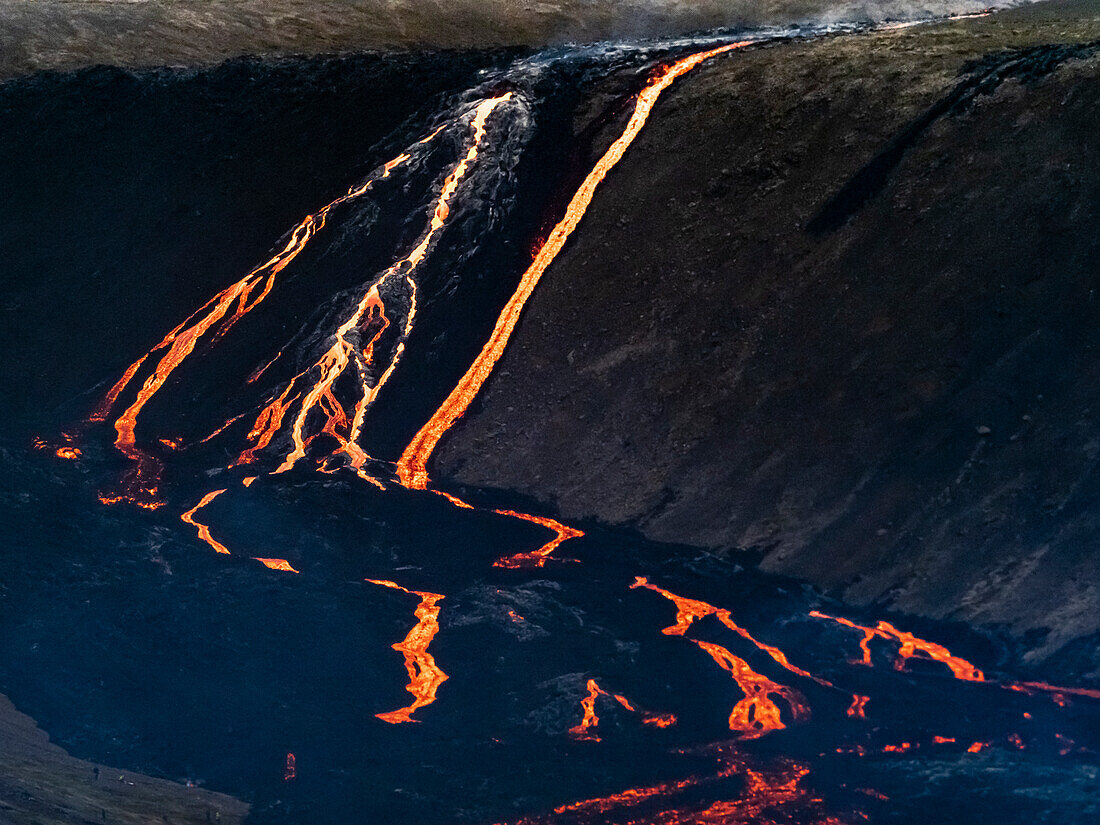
point(838, 309)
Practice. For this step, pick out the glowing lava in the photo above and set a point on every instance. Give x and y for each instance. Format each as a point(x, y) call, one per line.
point(346, 349)
point(412, 467)
point(276, 564)
point(425, 677)
point(909, 646)
point(768, 795)
point(216, 317)
point(589, 718)
point(537, 558)
point(204, 530)
point(757, 713)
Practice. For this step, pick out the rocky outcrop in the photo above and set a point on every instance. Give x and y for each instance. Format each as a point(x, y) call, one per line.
point(837, 310)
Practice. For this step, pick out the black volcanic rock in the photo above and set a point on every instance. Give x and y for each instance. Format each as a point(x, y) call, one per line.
point(837, 307)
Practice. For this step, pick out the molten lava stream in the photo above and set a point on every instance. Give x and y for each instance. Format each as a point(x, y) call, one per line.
point(757, 713)
point(537, 558)
point(909, 646)
point(343, 352)
point(204, 530)
point(590, 720)
point(425, 677)
point(412, 467)
point(216, 317)
point(769, 794)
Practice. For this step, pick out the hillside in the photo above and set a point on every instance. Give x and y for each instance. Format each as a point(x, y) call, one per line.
point(836, 312)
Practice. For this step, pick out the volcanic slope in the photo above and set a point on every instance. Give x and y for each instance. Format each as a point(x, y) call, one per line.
point(41, 783)
point(837, 308)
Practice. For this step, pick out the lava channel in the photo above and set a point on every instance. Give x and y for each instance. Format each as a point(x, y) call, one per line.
point(757, 713)
point(412, 467)
point(425, 677)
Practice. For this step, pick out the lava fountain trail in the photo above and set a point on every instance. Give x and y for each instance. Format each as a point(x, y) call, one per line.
point(412, 467)
point(425, 677)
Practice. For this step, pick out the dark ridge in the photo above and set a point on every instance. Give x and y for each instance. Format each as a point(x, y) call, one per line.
point(984, 77)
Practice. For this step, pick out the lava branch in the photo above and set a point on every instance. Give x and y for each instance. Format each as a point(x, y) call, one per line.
point(215, 317)
point(412, 467)
point(756, 714)
point(766, 791)
point(425, 677)
point(589, 719)
point(205, 535)
point(909, 646)
point(539, 557)
point(331, 365)
point(204, 530)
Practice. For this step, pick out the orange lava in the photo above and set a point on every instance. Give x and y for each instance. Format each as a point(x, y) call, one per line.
point(1091, 693)
point(455, 500)
point(661, 720)
point(943, 740)
point(688, 610)
point(977, 747)
point(216, 317)
point(757, 713)
point(370, 311)
point(290, 769)
point(425, 677)
point(859, 706)
point(583, 730)
point(204, 531)
point(412, 467)
point(537, 558)
point(771, 794)
point(910, 645)
point(276, 564)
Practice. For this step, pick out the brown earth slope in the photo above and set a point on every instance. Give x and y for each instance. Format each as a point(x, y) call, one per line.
point(66, 34)
point(884, 382)
point(40, 783)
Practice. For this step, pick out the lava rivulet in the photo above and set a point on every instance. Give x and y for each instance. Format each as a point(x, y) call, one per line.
point(590, 719)
point(425, 677)
point(537, 558)
point(204, 530)
point(216, 317)
point(768, 794)
point(909, 646)
point(276, 564)
point(757, 713)
point(412, 467)
point(343, 350)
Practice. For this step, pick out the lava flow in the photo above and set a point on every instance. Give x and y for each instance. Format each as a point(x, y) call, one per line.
point(412, 467)
point(204, 530)
point(213, 317)
point(756, 714)
point(537, 558)
point(371, 310)
point(768, 794)
point(589, 719)
point(425, 677)
point(909, 646)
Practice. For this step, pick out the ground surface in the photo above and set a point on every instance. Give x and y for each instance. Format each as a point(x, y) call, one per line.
point(66, 34)
point(42, 784)
point(882, 382)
